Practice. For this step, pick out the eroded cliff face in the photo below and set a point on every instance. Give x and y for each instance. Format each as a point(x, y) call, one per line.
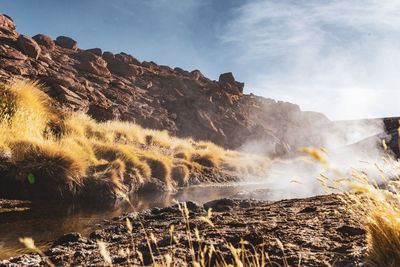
point(186, 104)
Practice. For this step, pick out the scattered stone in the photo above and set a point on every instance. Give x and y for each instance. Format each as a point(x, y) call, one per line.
point(304, 238)
point(68, 238)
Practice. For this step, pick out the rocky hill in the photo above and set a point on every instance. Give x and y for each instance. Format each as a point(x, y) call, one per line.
point(118, 86)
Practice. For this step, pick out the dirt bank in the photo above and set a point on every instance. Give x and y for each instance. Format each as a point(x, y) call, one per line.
point(314, 231)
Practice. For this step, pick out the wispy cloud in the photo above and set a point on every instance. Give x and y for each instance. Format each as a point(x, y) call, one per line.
point(339, 57)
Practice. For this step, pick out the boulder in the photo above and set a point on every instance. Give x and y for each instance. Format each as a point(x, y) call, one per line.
point(45, 41)
point(28, 46)
point(96, 51)
point(92, 63)
point(120, 63)
point(182, 71)
point(66, 42)
point(7, 27)
point(100, 113)
point(197, 75)
point(126, 58)
point(7, 51)
point(229, 84)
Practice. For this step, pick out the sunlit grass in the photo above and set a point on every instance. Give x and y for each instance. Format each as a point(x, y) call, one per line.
point(72, 147)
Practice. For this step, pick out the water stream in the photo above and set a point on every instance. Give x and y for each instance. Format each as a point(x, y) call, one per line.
point(47, 221)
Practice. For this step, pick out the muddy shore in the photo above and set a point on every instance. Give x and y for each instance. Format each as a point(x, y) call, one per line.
point(314, 231)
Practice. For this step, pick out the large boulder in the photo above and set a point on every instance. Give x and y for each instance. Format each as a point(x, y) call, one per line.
point(28, 46)
point(66, 42)
point(7, 28)
point(120, 63)
point(45, 41)
point(229, 84)
point(96, 51)
point(92, 63)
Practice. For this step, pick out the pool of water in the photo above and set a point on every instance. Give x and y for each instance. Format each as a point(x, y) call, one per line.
point(47, 221)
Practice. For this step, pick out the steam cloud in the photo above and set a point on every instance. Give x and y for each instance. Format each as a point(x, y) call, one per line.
point(353, 144)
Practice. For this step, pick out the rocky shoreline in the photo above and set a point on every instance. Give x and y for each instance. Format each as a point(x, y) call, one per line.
point(7, 205)
point(314, 231)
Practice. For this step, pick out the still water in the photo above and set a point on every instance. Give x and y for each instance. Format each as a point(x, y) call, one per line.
point(47, 221)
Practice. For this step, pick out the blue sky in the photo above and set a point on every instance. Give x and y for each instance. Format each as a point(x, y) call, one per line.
point(338, 57)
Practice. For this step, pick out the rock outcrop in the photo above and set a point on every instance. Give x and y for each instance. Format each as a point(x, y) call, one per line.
point(186, 104)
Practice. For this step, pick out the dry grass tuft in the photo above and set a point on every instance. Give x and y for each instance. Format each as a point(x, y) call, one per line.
point(160, 169)
point(180, 174)
point(206, 159)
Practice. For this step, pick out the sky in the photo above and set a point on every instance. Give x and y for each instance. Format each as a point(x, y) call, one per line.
point(338, 57)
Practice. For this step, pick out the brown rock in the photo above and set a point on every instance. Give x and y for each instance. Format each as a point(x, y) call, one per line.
point(28, 46)
point(150, 65)
point(226, 78)
point(64, 91)
point(7, 27)
point(119, 63)
point(197, 75)
point(66, 42)
point(228, 83)
point(102, 114)
point(126, 58)
point(10, 52)
point(57, 79)
point(44, 41)
point(96, 51)
point(92, 63)
point(182, 71)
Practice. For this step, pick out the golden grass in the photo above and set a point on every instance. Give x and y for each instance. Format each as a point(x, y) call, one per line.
point(76, 147)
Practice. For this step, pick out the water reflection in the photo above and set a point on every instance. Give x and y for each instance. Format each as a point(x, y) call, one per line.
point(47, 221)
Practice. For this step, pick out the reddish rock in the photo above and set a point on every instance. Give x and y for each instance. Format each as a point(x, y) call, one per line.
point(66, 42)
point(103, 114)
point(96, 51)
point(120, 63)
point(182, 71)
point(28, 46)
point(197, 75)
point(45, 41)
point(61, 90)
point(10, 52)
point(126, 58)
point(228, 82)
point(92, 63)
point(150, 65)
point(7, 28)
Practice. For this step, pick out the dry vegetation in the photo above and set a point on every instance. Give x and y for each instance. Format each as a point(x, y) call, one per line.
point(48, 153)
point(375, 200)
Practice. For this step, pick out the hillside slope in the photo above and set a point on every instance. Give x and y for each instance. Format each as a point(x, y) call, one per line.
point(186, 104)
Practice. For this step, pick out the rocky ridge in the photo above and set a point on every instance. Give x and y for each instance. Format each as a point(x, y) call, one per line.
point(111, 86)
